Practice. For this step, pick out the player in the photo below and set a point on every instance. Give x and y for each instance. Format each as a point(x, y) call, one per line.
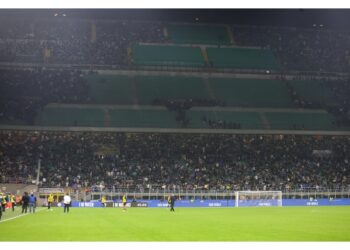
point(66, 201)
point(103, 201)
point(172, 203)
point(49, 201)
point(124, 202)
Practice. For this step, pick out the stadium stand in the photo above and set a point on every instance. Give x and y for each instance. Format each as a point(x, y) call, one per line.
point(224, 119)
point(150, 88)
point(198, 34)
point(71, 116)
point(63, 40)
point(25, 92)
point(242, 58)
point(53, 95)
point(250, 92)
point(207, 161)
point(305, 121)
point(167, 55)
point(134, 118)
point(316, 93)
point(110, 89)
point(314, 49)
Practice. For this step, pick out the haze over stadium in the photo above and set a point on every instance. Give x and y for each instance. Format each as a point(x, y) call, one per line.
point(122, 115)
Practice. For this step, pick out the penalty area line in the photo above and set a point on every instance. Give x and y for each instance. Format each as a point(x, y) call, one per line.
point(18, 216)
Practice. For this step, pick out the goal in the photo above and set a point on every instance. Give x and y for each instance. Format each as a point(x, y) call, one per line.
point(258, 198)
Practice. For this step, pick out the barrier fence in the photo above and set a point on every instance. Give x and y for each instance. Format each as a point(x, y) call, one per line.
point(217, 203)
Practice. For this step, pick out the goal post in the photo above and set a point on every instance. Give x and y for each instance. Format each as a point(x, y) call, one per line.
point(258, 198)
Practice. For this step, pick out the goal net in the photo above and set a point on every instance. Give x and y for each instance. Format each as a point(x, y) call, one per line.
point(258, 198)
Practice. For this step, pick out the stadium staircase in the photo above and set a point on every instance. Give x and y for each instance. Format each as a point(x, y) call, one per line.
point(230, 34)
point(265, 122)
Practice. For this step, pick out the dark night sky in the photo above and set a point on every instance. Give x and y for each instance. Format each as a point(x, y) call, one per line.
point(330, 18)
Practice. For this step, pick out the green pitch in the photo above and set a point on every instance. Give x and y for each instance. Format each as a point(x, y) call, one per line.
point(186, 224)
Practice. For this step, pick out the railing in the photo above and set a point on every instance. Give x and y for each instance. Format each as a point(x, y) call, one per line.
point(203, 194)
point(176, 68)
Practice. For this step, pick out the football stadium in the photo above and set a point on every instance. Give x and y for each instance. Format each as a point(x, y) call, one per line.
point(195, 128)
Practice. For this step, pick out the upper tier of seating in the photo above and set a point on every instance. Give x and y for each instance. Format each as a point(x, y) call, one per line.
point(198, 34)
point(184, 56)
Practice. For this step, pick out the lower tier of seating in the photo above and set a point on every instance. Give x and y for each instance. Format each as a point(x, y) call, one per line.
point(160, 117)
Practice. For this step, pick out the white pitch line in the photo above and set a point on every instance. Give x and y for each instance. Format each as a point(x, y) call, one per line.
point(18, 216)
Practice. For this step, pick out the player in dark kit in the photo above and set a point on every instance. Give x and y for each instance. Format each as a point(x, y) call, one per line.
point(25, 202)
point(172, 203)
point(0, 206)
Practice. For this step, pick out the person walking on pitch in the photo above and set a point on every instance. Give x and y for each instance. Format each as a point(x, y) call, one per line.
point(25, 202)
point(32, 203)
point(172, 203)
point(124, 202)
point(13, 202)
point(66, 201)
point(49, 201)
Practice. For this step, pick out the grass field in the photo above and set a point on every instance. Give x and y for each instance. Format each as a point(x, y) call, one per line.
point(186, 224)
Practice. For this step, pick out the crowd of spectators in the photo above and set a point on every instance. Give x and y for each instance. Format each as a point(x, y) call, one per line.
point(23, 93)
point(337, 90)
point(211, 161)
point(67, 41)
point(314, 49)
point(106, 42)
point(341, 91)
